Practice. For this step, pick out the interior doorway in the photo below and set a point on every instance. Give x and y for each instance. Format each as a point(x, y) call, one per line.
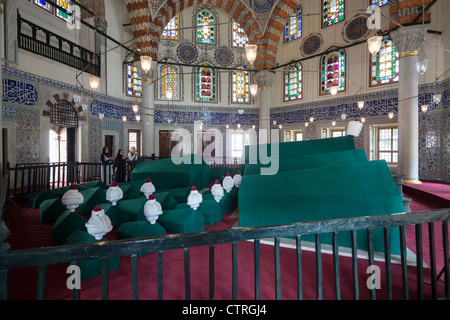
point(109, 142)
point(58, 144)
point(165, 143)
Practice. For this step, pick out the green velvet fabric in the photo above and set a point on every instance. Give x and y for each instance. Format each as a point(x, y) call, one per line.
point(131, 189)
point(66, 223)
point(302, 148)
point(182, 221)
point(332, 192)
point(167, 173)
point(50, 210)
point(140, 229)
point(166, 199)
point(34, 199)
point(214, 211)
point(93, 267)
point(115, 214)
point(92, 197)
point(92, 184)
point(311, 161)
point(218, 173)
point(180, 194)
point(134, 208)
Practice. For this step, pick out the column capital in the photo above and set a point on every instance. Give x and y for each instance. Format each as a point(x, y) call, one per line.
point(265, 79)
point(408, 40)
point(100, 24)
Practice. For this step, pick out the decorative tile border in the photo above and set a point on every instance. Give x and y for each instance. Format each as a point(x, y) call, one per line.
point(33, 79)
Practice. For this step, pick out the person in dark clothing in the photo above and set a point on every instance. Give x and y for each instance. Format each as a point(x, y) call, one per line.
point(106, 159)
point(120, 160)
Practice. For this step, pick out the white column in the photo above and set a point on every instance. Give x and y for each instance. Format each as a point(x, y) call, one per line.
point(408, 115)
point(148, 110)
point(264, 80)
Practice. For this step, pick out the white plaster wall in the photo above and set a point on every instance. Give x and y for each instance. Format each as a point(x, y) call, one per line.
point(35, 64)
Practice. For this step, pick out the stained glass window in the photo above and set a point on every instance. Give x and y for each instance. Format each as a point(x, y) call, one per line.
point(205, 83)
point(240, 39)
point(293, 28)
point(169, 81)
point(379, 2)
point(333, 71)
point(43, 4)
point(333, 12)
point(293, 82)
point(171, 30)
point(385, 64)
point(205, 27)
point(241, 87)
point(134, 81)
point(65, 5)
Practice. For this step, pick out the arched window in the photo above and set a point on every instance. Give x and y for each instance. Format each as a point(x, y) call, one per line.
point(293, 28)
point(333, 71)
point(385, 64)
point(205, 27)
point(171, 29)
point(240, 39)
point(134, 81)
point(293, 87)
point(169, 81)
point(333, 12)
point(379, 2)
point(241, 87)
point(205, 83)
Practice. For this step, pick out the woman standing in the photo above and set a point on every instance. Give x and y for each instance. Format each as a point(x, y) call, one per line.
point(120, 162)
point(106, 159)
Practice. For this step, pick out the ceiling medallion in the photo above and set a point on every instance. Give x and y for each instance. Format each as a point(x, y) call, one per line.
point(312, 44)
point(355, 29)
point(187, 53)
point(224, 56)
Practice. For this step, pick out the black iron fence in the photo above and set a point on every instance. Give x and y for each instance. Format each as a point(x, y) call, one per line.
point(33, 177)
point(70, 254)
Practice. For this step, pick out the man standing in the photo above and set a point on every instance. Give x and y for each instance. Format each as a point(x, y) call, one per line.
point(132, 158)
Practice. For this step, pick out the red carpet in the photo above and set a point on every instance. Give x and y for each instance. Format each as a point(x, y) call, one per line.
point(27, 232)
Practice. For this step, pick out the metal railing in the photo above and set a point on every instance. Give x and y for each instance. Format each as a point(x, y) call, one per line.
point(43, 257)
point(32, 177)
